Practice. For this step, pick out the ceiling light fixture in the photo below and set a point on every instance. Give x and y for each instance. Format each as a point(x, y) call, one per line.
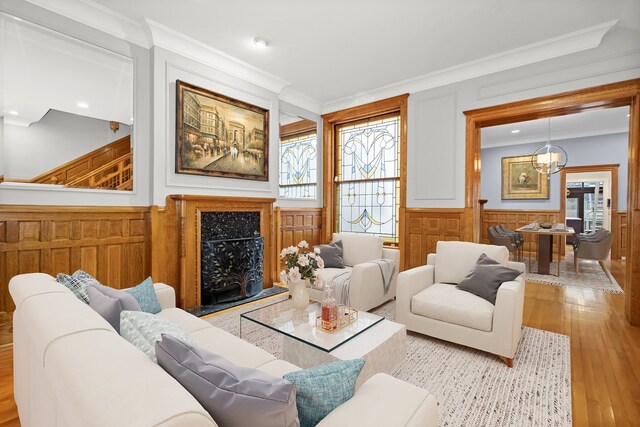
point(261, 42)
point(82, 105)
point(515, 131)
point(13, 112)
point(629, 115)
point(550, 158)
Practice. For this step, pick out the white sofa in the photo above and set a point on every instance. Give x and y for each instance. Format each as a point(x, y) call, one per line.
point(71, 368)
point(428, 303)
point(366, 288)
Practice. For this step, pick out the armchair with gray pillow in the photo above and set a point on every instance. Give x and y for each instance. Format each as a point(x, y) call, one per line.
point(453, 297)
point(361, 273)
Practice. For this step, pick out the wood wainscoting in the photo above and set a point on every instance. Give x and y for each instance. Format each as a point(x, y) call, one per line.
point(423, 228)
point(175, 240)
point(620, 235)
point(294, 225)
point(516, 218)
point(110, 243)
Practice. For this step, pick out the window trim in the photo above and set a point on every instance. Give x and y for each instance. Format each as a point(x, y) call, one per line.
point(396, 105)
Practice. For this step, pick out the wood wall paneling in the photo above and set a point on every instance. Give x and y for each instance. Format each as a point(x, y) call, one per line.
point(110, 243)
point(621, 231)
point(423, 228)
point(294, 225)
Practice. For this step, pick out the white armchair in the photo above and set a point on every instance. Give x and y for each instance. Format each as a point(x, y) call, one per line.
point(428, 301)
point(366, 287)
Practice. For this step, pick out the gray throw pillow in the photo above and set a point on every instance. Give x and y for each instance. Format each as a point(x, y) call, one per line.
point(234, 396)
point(485, 278)
point(109, 303)
point(331, 254)
point(485, 260)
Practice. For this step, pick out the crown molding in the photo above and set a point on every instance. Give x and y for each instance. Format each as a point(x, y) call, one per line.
point(99, 17)
point(556, 137)
point(576, 41)
point(167, 38)
point(301, 100)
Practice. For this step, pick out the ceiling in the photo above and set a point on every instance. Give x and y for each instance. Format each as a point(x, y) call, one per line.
point(43, 70)
point(589, 123)
point(333, 49)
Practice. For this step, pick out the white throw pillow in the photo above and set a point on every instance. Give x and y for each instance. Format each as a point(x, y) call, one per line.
point(359, 248)
point(454, 260)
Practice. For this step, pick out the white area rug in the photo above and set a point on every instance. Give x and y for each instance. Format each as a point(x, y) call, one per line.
point(590, 276)
point(472, 388)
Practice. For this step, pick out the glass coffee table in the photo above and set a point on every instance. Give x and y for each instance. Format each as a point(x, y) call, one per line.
point(380, 342)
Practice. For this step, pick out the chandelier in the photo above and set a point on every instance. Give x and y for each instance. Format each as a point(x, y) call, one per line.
point(550, 158)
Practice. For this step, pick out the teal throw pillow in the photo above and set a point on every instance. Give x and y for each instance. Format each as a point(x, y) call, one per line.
point(143, 330)
point(145, 294)
point(323, 388)
point(77, 286)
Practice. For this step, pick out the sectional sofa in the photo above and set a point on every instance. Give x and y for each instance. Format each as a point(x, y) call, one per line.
point(71, 368)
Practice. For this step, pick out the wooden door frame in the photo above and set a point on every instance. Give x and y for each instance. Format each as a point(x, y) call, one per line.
point(613, 221)
point(625, 93)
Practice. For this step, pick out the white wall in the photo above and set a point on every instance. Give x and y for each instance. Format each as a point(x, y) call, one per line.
point(436, 122)
point(594, 150)
point(56, 139)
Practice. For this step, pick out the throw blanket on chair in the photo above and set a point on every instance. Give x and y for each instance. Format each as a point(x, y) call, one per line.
point(388, 269)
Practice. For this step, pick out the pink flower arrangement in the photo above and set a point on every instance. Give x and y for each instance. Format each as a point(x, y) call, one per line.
point(299, 263)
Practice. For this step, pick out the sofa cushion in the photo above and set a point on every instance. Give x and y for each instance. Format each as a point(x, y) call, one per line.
point(446, 303)
point(323, 388)
point(186, 321)
point(77, 286)
point(233, 395)
point(278, 368)
point(486, 277)
point(359, 248)
point(331, 254)
point(145, 294)
point(231, 347)
point(455, 259)
point(143, 330)
point(109, 303)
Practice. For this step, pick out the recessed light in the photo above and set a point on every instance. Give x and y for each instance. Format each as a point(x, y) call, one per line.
point(13, 112)
point(515, 131)
point(261, 42)
point(82, 105)
point(629, 115)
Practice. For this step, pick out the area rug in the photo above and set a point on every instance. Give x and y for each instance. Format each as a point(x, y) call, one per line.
point(472, 388)
point(590, 276)
point(203, 310)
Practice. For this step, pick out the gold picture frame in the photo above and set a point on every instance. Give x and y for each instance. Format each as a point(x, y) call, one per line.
point(220, 136)
point(521, 181)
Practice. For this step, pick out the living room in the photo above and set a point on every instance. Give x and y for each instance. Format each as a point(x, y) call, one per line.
point(279, 93)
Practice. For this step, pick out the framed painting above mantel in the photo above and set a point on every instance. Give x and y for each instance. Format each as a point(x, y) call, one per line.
point(521, 181)
point(220, 136)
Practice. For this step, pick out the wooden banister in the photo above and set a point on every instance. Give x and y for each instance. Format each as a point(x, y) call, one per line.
point(86, 163)
point(116, 175)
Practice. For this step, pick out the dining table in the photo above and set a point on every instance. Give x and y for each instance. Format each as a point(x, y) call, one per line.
point(545, 238)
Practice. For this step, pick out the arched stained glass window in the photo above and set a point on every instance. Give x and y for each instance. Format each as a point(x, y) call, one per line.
point(368, 177)
point(298, 165)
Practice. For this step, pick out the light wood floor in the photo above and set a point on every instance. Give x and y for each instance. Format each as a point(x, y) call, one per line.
point(605, 353)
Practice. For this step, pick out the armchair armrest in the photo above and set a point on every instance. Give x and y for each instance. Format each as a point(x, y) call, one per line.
point(411, 282)
point(166, 295)
point(507, 317)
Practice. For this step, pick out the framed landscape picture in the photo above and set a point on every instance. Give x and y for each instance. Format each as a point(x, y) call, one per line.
point(220, 136)
point(520, 180)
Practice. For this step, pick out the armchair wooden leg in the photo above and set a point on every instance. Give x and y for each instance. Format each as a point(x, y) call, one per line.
point(507, 360)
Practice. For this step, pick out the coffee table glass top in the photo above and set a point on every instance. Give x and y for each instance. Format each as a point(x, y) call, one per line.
point(301, 324)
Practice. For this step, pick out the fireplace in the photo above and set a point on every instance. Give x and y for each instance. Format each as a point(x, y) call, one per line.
point(232, 256)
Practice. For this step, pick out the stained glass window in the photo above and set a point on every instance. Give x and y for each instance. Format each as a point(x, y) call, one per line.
point(298, 166)
point(368, 180)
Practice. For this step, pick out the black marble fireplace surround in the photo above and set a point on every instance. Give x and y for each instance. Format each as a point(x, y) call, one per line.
point(232, 254)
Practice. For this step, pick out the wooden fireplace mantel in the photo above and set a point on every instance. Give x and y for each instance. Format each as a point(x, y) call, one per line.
point(176, 240)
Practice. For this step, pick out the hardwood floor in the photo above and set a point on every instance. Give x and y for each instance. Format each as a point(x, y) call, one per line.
point(605, 352)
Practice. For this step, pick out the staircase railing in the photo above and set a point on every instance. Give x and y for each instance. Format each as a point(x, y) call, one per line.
point(115, 175)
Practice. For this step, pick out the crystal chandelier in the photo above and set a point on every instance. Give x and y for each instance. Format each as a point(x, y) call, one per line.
point(550, 158)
